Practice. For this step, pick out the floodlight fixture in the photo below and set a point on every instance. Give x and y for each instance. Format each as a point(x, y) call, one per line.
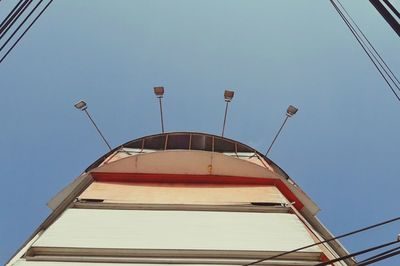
point(81, 105)
point(228, 95)
point(159, 92)
point(291, 111)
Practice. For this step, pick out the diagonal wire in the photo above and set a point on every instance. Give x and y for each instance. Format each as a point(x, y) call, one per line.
point(26, 30)
point(377, 256)
point(386, 68)
point(384, 257)
point(394, 10)
point(11, 12)
point(365, 50)
point(327, 240)
point(20, 25)
point(363, 44)
point(10, 17)
point(330, 262)
point(14, 17)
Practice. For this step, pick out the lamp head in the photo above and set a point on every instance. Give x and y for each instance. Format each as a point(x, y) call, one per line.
point(81, 105)
point(291, 111)
point(159, 91)
point(228, 95)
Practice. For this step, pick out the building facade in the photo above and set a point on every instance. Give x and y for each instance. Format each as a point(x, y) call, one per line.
point(183, 199)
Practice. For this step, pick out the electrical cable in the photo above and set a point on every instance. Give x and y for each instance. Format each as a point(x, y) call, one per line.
point(11, 21)
point(367, 50)
point(364, 48)
point(358, 253)
point(11, 12)
point(26, 30)
point(391, 75)
point(394, 10)
point(385, 13)
point(20, 25)
point(379, 256)
point(371, 56)
point(326, 241)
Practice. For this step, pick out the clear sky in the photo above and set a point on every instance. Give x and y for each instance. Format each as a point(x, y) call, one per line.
point(342, 147)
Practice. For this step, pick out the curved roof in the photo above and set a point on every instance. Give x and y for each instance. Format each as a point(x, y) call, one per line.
point(188, 141)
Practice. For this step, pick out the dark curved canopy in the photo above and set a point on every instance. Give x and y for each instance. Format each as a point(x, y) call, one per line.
point(189, 141)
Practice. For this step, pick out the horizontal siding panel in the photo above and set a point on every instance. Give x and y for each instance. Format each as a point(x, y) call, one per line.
point(181, 193)
point(191, 230)
point(54, 263)
point(181, 263)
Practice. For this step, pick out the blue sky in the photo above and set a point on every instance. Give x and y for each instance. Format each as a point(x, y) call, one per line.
point(341, 147)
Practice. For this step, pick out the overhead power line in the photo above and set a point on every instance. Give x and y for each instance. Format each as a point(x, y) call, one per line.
point(25, 31)
point(381, 256)
point(384, 70)
point(14, 17)
point(20, 25)
point(326, 241)
point(11, 12)
point(386, 14)
point(392, 76)
point(394, 10)
point(330, 262)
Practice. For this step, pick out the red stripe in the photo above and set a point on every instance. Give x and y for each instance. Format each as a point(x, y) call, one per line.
point(198, 179)
point(324, 258)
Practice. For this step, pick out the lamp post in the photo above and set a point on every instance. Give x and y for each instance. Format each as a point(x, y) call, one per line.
point(228, 96)
point(159, 92)
point(291, 111)
point(81, 105)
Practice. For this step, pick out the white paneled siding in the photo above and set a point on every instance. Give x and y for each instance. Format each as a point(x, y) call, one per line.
point(194, 230)
point(52, 263)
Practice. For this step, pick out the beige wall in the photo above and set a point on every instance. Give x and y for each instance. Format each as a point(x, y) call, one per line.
point(181, 193)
